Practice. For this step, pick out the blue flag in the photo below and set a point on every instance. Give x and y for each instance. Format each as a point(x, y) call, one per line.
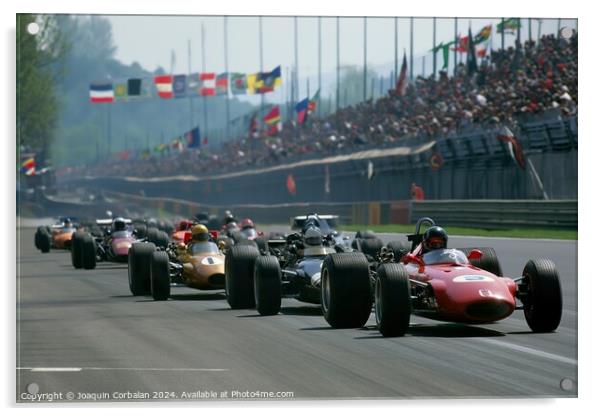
point(193, 137)
point(301, 109)
point(179, 86)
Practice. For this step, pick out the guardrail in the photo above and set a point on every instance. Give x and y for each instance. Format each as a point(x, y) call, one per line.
point(500, 214)
point(487, 214)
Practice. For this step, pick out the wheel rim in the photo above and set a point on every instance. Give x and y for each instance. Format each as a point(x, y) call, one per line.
point(325, 290)
point(377, 302)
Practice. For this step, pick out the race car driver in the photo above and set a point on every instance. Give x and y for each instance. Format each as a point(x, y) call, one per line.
point(200, 235)
point(435, 238)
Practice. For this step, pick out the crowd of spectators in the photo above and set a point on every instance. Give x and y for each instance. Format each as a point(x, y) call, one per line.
point(509, 84)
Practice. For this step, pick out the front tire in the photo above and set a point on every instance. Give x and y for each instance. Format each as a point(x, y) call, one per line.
point(268, 285)
point(76, 249)
point(44, 242)
point(160, 281)
point(392, 301)
point(543, 302)
point(346, 292)
point(88, 246)
point(139, 260)
point(240, 263)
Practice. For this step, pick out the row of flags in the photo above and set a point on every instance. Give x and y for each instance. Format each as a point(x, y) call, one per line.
point(273, 120)
point(481, 40)
point(206, 84)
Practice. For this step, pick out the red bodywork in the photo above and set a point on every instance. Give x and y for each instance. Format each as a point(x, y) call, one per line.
point(121, 245)
point(183, 233)
point(463, 292)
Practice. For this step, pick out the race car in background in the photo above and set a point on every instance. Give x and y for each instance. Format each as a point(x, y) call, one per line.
point(288, 267)
point(56, 236)
point(463, 285)
point(154, 270)
point(110, 241)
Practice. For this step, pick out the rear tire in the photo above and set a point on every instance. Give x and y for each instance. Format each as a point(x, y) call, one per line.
point(543, 303)
point(139, 263)
point(488, 260)
point(162, 239)
point(152, 234)
point(44, 242)
point(240, 263)
point(268, 285)
point(368, 246)
point(76, 249)
point(160, 281)
point(392, 301)
point(367, 234)
point(346, 292)
point(399, 249)
point(88, 252)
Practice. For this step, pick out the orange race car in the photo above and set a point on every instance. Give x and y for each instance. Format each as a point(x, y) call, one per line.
point(56, 236)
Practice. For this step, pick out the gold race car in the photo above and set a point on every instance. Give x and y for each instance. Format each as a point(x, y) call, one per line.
point(198, 264)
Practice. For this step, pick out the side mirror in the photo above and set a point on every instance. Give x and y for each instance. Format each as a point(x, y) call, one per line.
point(475, 254)
point(411, 258)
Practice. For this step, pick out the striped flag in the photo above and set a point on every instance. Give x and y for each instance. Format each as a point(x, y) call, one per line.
point(101, 93)
point(28, 167)
point(164, 85)
point(207, 83)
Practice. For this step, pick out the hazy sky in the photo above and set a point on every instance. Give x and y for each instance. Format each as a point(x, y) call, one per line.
point(149, 40)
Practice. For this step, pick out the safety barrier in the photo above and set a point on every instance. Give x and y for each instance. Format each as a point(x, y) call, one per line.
point(486, 214)
point(500, 214)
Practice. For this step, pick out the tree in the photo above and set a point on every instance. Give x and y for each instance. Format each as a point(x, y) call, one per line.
point(38, 66)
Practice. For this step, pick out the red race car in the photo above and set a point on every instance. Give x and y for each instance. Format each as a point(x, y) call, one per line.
point(454, 285)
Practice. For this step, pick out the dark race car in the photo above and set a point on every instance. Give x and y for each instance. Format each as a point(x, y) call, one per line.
point(288, 267)
point(463, 285)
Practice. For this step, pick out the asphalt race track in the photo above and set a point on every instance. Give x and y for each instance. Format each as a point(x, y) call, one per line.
point(81, 332)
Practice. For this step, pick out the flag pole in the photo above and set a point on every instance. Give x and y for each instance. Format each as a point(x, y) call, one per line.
point(190, 97)
point(435, 47)
point(261, 63)
point(530, 36)
point(455, 44)
point(338, 67)
point(365, 55)
point(227, 77)
point(411, 48)
point(319, 62)
point(296, 60)
point(396, 46)
point(558, 28)
point(503, 44)
point(205, 126)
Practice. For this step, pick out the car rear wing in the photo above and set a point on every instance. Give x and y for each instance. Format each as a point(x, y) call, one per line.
point(298, 222)
point(109, 221)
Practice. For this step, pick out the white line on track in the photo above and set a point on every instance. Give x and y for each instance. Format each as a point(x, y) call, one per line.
point(78, 369)
point(531, 351)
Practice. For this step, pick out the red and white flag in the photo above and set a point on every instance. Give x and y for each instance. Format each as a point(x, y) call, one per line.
point(513, 145)
point(164, 84)
point(207, 83)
